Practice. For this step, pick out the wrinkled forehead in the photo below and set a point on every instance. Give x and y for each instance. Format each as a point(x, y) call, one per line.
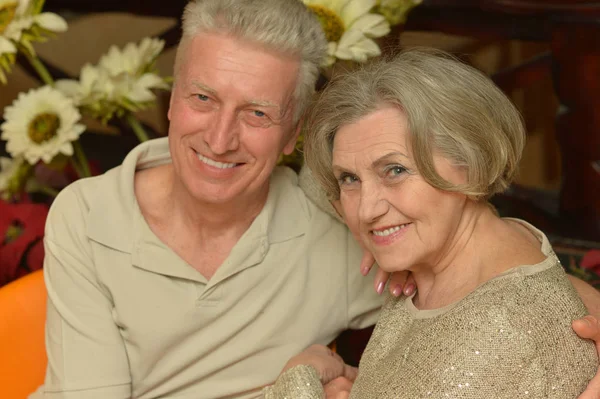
point(384, 126)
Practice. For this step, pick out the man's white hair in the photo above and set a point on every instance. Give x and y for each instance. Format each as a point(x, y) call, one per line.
point(286, 26)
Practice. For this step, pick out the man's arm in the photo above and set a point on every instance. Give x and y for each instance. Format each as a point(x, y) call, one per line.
point(589, 328)
point(86, 353)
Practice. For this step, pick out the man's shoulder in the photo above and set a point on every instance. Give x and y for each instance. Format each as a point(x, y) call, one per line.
point(294, 194)
point(87, 191)
point(115, 187)
point(93, 207)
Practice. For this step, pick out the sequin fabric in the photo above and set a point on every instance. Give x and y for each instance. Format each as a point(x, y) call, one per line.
point(510, 338)
point(300, 382)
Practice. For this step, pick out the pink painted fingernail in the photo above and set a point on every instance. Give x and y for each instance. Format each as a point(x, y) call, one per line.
point(409, 289)
point(397, 291)
point(365, 270)
point(380, 287)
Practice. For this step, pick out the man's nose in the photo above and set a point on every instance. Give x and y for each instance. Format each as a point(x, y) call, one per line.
point(372, 202)
point(223, 136)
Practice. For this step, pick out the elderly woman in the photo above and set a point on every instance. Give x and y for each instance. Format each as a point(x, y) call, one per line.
point(413, 148)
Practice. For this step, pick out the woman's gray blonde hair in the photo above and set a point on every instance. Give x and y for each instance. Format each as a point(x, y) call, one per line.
point(286, 26)
point(451, 108)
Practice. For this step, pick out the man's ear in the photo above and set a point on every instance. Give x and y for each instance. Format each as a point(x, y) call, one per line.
point(171, 101)
point(337, 205)
point(291, 144)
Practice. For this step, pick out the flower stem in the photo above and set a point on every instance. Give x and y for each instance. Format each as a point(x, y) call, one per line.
point(76, 167)
point(84, 167)
point(137, 127)
point(40, 68)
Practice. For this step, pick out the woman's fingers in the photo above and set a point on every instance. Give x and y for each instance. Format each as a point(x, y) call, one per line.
point(399, 282)
point(366, 263)
point(350, 372)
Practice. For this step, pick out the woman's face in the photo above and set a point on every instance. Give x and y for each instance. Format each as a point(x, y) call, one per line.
point(404, 221)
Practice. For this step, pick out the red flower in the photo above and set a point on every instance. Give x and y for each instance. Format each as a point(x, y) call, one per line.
point(21, 233)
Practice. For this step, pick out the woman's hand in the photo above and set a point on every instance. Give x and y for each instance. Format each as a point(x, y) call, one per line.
point(589, 328)
point(400, 282)
point(329, 365)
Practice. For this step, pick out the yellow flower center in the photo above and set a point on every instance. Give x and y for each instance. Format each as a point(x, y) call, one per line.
point(7, 13)
point(44, 127)
point(331, 22)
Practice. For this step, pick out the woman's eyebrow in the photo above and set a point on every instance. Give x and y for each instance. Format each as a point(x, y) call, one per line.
point(385, 159)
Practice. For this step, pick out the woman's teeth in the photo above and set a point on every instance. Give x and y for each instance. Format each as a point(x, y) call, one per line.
point(387, 232)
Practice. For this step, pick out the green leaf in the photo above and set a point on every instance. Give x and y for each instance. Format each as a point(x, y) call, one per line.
point(36, 6)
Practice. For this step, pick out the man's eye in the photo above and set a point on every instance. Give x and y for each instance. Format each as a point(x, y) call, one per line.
point(260, 114)
point(202, 97)
point(347, 179)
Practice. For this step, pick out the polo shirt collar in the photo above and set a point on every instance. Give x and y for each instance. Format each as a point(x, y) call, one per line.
point(114, 202)
point(284, 217)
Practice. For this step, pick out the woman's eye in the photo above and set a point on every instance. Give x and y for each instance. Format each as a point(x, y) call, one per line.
point(396, 170)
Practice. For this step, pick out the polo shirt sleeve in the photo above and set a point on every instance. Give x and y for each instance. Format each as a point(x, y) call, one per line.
point(86, 353)
point(363, 301)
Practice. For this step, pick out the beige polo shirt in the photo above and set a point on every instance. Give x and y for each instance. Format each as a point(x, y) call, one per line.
point(127, 317)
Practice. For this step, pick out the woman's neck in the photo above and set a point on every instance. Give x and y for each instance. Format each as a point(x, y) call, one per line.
point(464, 263)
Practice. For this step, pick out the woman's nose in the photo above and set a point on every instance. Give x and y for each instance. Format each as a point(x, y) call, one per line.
point(372, 204)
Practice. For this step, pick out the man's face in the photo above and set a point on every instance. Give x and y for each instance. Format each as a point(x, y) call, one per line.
point(231, 117)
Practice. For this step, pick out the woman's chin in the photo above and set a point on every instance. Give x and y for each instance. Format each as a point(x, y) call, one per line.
point(390, 268)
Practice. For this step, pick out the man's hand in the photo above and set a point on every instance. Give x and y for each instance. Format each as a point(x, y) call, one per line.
point(329, 365)
point(400, 282)
point(589, 328)
point(338, 388)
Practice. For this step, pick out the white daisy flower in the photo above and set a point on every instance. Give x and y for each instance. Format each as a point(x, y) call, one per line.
point(85, 90)
point(122, 81)
point(350, 27)
point(19, 16)
point(134, 59)
point(41, 124)
point(21, 23)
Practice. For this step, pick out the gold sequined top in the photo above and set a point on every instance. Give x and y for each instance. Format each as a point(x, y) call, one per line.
point(510, 338)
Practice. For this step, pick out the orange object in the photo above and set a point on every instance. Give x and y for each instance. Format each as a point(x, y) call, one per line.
point(22, 350)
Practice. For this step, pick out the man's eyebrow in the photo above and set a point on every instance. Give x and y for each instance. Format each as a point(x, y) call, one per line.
point(338, 170)
point(262, 103)
point(204, 87)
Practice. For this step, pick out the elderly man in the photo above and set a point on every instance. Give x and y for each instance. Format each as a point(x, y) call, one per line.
point(196, 269)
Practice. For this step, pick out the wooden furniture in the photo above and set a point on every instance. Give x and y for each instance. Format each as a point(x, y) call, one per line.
point(572, 30)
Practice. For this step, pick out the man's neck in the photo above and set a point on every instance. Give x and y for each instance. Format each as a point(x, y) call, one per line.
point(210, 219)
point(201, 233)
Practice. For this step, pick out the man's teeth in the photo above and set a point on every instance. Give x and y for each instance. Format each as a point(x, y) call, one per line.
point(387, 232)
point(216, 164)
